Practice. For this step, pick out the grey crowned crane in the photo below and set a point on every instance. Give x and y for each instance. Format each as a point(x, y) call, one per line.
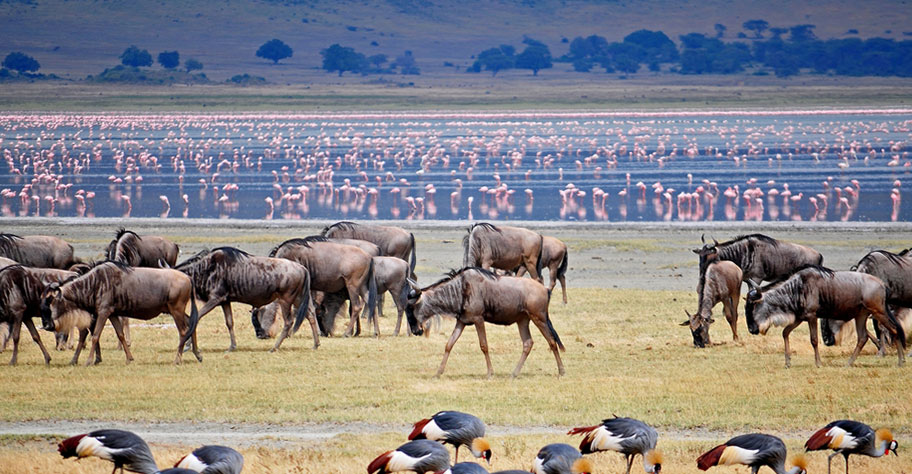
point(420, 455)
point(560, 458)
point(468, 468)
point(212, 459)
point(851, 437)
point(456, 428)
point(754, 450)
point(126, 450)
point(626, 436)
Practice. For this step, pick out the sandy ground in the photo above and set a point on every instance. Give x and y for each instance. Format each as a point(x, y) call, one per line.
point(643, 256)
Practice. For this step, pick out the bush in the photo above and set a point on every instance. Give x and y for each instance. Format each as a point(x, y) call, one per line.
point(135, 57)
point(169, 59)
point(274, 50)
point(21, 63)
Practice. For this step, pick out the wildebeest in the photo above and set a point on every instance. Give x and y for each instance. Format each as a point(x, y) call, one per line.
point(895, 270)
point(41, 251)
point(475, 296)
point(113, 289)
point(393, 241)
point(504, 248)
point(555, 258)
point(722, 285)
point(226, 274)
point(817, 292)
point(146, 251)
point(334, 267)
point(20, 300)
point(761, 258)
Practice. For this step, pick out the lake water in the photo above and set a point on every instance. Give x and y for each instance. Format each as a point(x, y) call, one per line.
point(800, 165)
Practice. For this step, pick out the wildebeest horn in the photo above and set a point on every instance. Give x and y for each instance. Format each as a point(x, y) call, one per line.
point(412, 283)
point(752, 285)
point(689, 318)
point(703, 238)
point(715, 242)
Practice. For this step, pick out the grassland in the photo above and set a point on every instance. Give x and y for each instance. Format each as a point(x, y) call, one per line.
point(625, 355)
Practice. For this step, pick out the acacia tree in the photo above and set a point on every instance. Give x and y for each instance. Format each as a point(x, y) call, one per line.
point(536, 56)
point(192, 64)
point(169, 59)
point(21, 62)
point(757, 26)
point(340, 58)
point(274, 50)
point(136, 57)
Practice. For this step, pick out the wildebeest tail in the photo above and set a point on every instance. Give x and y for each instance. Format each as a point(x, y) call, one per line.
point(255, 321)
point(413, 259)
point(538, 262)
point(562, 269)
point(551, 328)
point(304, 305)
point(194, 317)
point(900, 333)
point(371, 293)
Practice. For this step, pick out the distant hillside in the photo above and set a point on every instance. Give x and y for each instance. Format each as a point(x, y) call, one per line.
point(76, 38)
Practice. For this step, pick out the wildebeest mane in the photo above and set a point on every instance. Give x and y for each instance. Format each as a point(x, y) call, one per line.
point(455, 272)
point(819, 269)
point(304, 242)
point(126, 249)
point(123, 231)
point(9, 247)
point(869, 259)
point(761, 237)
point(344, 225)
point(468, 249)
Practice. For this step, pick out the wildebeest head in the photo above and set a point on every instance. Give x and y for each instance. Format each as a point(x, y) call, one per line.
point(413, 309)
point(760, 314)
point(699, 328)
point(829, 328)
point(59, 313)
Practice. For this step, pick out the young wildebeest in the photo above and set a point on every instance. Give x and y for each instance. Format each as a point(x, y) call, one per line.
point(334, 267)
point(817, 292)
point(227, 275)
point(393, 241)
point(147, 251)
point(722, 284)
point(41, 251)
point(113, 289)
point(475, 296)
point(20, 300)
point(504, 248)
point(760, 258)
point(554, 256)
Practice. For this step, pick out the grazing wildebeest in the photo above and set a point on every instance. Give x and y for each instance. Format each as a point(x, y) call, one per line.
point(761, 258)
point(226, 274)
point(20, 300)
point(113, 289)
point(393, 241)
point(817, 292)
point(334, 267)
point(41, 251)
point(503, 248)
point(146, 251)
point(475, 296)
point(555, 258)
point(722, 285)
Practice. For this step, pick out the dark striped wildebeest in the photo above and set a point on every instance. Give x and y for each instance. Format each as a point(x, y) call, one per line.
point(226, 274)
point(504, 248)
point(335, 267)
point(555, 258)
point(393, 241)
point(20, 300)
point(475, 296)
point(760, 258)
point(41, 251)
point(817, 292)
point(113, 289)
point(146, 251)
point(722, 285)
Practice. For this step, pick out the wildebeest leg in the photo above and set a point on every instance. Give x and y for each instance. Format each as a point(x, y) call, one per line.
point(563, 282)
point(35, 337)
point(96, 336)
point(731, 316)
point(229, 323)
point(526, 337)
point(285, 307)
point(812, 328)
point(541, 323)
point(400, 309)
point(862, 333)
point(14, 332)
point(355, 306)
point(483, 344)
point(119, 330)
point(125, 322)
point(83, 333)
point(785, 337)
point(457, 331)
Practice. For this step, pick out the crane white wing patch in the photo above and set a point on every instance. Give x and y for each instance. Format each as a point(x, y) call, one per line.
point(402, 462)
point(192, 462)
point(433, 432)
point(89, 446)
point(604, 440)
point(841, 439)
point(736, 455)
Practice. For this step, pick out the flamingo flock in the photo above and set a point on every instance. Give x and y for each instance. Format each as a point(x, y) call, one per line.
point(678, 166)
